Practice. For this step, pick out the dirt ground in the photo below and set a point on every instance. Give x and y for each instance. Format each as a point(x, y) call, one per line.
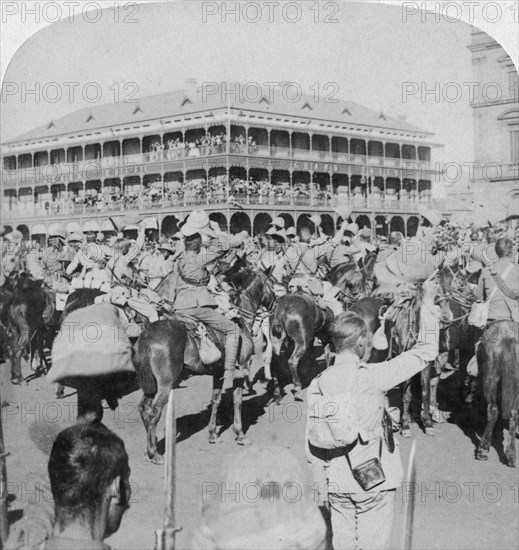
point(459, 502)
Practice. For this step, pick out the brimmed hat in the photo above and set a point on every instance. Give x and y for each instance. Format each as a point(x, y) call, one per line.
point(76, 238)
point(344, 212)
point(100, 236)
point(365, 232)
point(291, 232)
point(14, 237)
point(352, 228)
point(316, 219)
point(57, 231)
point(279, 222)
point(273, 520)
point(164, 244)
point(432, 216)
point(197, 222)
point(278, 236)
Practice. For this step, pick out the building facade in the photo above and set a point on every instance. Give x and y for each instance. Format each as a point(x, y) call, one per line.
point(244, 161)
point(495, 105)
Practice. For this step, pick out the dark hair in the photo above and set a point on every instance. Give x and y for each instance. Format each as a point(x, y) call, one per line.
point(346, 330)
point(504, 247)
point(84, 461)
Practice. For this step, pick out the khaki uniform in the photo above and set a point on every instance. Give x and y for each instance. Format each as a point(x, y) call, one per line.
point(52, 262)
point(363, 519)
point(501, 306)
point(192, 298)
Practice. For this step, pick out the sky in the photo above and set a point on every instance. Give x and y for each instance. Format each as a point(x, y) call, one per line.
point(366, 52)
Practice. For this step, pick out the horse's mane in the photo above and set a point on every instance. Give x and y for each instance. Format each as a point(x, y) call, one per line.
point(250, 283)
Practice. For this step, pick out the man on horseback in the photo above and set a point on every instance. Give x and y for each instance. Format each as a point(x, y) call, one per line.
point(499, 284)
point(162, 264)
point(192, 297)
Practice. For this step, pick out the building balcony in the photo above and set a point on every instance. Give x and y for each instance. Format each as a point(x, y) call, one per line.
point(189, 201)
point(176, 159)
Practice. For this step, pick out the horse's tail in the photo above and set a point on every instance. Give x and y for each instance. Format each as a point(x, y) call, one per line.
point(159, 355)
point(142, 362)
point(509, 360)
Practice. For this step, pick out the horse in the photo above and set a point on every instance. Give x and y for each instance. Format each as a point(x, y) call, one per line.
point(403, 322)
point(238, 275)
point(164, 351)
point(498, 360)
point(354, 279)
point(25, 327)
point(297, 317)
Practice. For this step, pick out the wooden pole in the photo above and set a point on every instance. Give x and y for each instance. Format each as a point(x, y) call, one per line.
point(409, 510)
point(165, 538)
point(4, 522)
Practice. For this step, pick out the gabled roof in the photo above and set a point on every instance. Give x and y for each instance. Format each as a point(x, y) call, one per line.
point(182, 102)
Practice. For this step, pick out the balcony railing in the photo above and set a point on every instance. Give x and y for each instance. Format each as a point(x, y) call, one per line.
point(128, 165)
point(178, 201)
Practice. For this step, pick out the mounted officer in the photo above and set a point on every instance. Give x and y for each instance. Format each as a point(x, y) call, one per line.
point(192, 297)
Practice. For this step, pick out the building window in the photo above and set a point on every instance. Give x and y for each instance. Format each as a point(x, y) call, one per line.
point(514, 145)
point(513, 85)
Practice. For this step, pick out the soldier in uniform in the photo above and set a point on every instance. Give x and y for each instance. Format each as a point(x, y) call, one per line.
point(53, 258)
point(191, 296)
point(161, 264)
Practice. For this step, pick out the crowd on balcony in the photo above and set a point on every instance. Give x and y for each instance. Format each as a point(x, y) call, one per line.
point(204, 146)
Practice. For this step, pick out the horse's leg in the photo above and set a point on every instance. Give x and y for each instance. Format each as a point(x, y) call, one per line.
point(274, 383)
point(237, 396)
point(425, 376)
point(406, 406)
point(16, 368)
point(215, 402)
point(293, 363)
point(153, 413)
point(267, 354)
point(510, 452)
point(490, 385)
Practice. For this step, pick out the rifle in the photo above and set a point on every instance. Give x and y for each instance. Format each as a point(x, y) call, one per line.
point(165, 538)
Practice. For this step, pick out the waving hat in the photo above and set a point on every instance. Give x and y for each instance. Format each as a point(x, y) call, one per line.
point(197, 222)
point(316, 219)
point(279, 222)
point(278, 236)
point(432, 216)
